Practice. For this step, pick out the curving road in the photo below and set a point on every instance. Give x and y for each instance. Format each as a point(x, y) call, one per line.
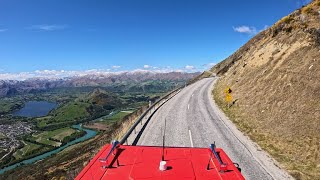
point(192, 121)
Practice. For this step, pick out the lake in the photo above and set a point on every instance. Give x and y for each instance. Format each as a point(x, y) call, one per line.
point(36, 109)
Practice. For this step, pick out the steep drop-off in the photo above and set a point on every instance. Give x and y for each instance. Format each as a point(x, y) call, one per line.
point(275, 78)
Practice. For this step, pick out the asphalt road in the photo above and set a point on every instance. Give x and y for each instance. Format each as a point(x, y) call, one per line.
point(192, 122)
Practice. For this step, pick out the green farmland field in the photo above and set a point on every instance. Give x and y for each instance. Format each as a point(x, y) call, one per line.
point(116, 117)
point(57, 134)
point(27, 148)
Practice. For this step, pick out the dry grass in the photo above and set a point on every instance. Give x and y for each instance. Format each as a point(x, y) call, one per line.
point(97, 126)
point(298, 153)
point(286, 20)
point(276, 81)
point(306, 10)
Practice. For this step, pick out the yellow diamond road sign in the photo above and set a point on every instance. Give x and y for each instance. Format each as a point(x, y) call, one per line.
point(228, 90)
point(228, 98)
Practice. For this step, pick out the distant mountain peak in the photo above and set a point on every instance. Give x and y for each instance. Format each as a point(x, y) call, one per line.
point(93, 80)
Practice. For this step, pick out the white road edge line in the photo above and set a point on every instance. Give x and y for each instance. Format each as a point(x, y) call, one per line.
point(188, 106)
point(190, 138)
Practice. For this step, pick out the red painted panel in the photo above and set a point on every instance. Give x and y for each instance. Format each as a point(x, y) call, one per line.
point(142, 162)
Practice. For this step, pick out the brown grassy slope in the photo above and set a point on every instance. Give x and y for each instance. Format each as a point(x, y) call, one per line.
point(276, 79)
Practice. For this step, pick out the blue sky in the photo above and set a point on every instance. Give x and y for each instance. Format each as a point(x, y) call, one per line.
point(118, 35)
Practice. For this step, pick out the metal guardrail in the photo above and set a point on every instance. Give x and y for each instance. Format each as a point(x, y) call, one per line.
point(133, 127)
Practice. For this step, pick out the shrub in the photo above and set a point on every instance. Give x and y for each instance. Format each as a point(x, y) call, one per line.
point(286, 20)
point(306, 10)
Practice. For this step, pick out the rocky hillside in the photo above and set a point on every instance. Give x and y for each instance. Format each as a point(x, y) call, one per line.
point(275, 78)
point(103, 99)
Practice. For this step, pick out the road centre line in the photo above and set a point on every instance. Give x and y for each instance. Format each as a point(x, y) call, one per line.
point(191, 141)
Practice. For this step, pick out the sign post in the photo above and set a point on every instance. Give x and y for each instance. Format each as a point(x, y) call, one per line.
point(228, 96)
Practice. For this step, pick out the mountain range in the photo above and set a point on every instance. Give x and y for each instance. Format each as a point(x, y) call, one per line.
point(11, 87)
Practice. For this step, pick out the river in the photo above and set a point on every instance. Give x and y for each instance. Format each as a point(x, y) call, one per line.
point(89, 134)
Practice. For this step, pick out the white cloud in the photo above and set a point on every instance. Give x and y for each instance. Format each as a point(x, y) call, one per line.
point(188, 67)
point(16, 76)
point(60, 74)
point(47, 27)
point(264, 28)
point(179, 70)
point(245, 29)
point(210, 64)
point(146, 66)
point(116, 67)
point(3, 30)
point(48, 72)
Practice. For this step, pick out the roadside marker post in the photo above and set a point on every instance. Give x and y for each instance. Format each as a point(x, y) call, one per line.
point(228, 97)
